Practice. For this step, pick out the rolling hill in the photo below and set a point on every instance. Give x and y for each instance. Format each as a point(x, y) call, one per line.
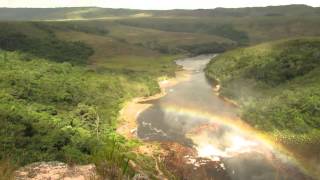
point(100, 13)
point(241, 25)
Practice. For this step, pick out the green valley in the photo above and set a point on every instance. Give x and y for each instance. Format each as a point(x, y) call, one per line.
point(66, 74)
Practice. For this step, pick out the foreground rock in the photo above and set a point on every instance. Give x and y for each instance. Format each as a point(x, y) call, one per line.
point(184, 163)
point(56, 171)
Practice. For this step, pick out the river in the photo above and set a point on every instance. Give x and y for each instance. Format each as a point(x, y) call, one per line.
point(193, 115)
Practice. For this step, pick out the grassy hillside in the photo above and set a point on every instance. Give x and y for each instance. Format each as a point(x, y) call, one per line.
point(11, 39)
point(106, 45)
point(19, 14)
point(126, 39)
point(241, 26)
point(115, 39)
point(277, 86)
point(243, 30)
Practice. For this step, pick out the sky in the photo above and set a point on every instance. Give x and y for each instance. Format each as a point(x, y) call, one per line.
point(154, 4)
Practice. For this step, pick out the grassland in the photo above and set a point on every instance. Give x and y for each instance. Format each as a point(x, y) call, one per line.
point(277, 87)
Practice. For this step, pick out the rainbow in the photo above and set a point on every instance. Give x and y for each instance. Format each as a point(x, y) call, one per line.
point(239, 126)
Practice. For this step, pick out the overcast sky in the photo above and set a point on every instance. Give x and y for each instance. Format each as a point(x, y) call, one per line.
point(154, 4)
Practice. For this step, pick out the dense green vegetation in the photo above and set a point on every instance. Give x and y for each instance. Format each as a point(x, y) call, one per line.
point(52, 111)
point(49, 47)
point(55, 107)
point(277, 86)
point(207, 48)
point(78, 27)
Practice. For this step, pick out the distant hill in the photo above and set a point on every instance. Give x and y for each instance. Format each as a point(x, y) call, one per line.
point(28, 14)
point(96, 12)
point(234, 26)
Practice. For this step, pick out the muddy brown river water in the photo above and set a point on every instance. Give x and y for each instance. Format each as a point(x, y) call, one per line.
point(192, 115)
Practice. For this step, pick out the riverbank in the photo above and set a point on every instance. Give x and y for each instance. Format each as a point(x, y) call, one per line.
point(127, 125)
point(275, 85)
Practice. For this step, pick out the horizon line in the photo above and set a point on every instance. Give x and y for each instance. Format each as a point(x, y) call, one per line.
point(241, 7)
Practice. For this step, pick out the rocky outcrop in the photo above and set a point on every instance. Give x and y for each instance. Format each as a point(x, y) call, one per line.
point(56, 171)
